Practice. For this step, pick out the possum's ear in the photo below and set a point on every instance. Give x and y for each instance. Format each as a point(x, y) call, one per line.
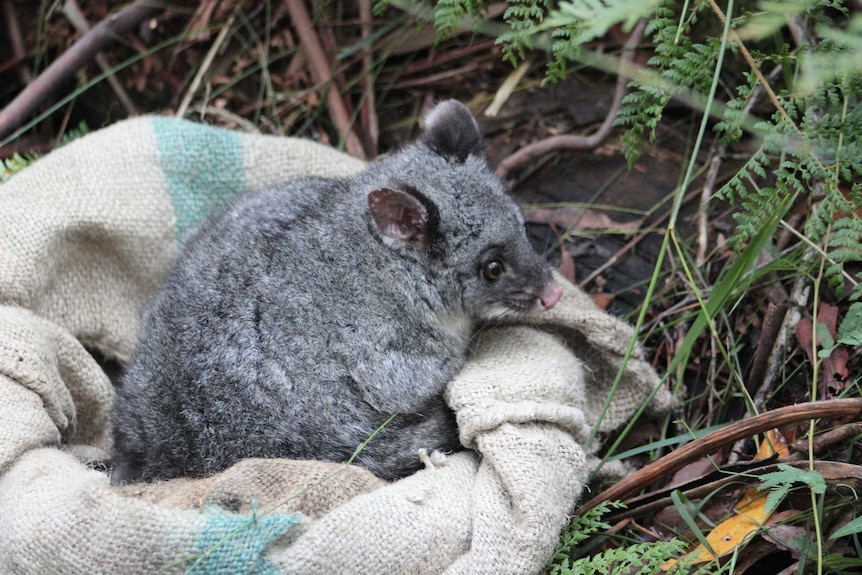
point(399, 216)
point(451, 131)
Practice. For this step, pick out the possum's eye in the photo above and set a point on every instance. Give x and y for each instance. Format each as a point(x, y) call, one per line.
point(492, 270)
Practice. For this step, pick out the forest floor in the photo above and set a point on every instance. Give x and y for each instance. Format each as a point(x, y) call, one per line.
point(247, 66)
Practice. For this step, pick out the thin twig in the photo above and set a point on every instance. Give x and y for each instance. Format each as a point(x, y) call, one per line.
point(322, 72)
point(63, 125)
point(828, 439)
point(227, 116)
point(770, 331)
point(577, 141)
point(64, 67)
point(436, 60)
point(506, 88)
point(368, 109)
point(16, 40)
point(631, 244)
point(797, 302)
point(751, 63)
point(76, 17)
point(205, 66)
point(705, 195)
point(434, 80)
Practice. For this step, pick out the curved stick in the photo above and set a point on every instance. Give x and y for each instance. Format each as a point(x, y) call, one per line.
point(578, 142)
point(708, 444)
point(322, 73)
point(64, 67)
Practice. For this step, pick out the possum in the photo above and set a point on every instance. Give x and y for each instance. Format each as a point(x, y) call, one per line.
point(298, 319)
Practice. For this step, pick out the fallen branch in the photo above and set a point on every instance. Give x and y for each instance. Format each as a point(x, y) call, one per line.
point(13, 29)
point(709, 444)
point(64, 67)
point(833, 472)
point(575, 141)
point(322, 73)
point(368, 107)
point(79, 21)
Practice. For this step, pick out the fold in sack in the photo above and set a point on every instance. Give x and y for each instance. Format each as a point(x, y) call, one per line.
point(86, 236)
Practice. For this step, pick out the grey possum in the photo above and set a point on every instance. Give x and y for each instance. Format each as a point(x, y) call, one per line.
point(297, 320)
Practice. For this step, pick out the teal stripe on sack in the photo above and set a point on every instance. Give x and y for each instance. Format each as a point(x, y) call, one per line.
point(202, 165)
point(236, 544)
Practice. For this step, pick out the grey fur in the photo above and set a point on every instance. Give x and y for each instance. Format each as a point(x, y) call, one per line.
point(298, 319)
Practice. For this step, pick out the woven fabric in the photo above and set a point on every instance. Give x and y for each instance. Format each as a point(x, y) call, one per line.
point(86, 236)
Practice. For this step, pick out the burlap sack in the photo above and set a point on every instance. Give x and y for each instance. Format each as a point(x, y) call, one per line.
point(87, 234)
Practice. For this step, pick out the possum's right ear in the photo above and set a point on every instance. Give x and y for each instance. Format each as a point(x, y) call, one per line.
point(399, 216)
point(451, 131)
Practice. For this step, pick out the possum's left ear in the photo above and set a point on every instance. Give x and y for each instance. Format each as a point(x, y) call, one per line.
point(399, 216)
point(451, 131)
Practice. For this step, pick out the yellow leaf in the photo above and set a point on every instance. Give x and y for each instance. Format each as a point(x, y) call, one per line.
point(749, 514)
point(773, 443)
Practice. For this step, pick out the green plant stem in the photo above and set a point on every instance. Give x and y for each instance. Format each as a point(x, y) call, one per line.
point(705, 119)
point(713, 331)
point(671, 226)
point(629, 350)
point(817, 249)
point(725, 19)
point(679, 27)
point(816, 361)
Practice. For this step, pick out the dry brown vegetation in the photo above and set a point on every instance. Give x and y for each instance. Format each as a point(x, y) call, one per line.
point(338, 74)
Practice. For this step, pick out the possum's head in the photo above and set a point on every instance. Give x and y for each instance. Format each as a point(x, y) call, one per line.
point(444, 207)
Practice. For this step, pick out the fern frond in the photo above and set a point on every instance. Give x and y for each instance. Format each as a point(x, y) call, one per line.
point(523, 18)
point(643, 558)
point(591, 19)
point(448, 14)
point(780, 482)
point(79, 131)
point(15, 164)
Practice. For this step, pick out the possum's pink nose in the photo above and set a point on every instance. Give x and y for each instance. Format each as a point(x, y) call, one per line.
point(550, 294)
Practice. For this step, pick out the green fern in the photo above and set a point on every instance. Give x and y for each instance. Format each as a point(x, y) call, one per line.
point(841, 563)
point(593, 18)
point(15, 164)
point(644, 558)
point(582, 527)
point(813, 151)
point(576, 22)
point(568, 24)
point(685, 64)
point(731, 125)
point(780, 482)
point(79, 131)
point(832, 161)
point(524, 18)
point(448, 14)
point(562, 45)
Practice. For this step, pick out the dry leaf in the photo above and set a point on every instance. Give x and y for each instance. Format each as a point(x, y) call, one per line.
point(567, 263)
point(573, 217)
point(602, 300)
point(834, 373)
point(750, 514)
